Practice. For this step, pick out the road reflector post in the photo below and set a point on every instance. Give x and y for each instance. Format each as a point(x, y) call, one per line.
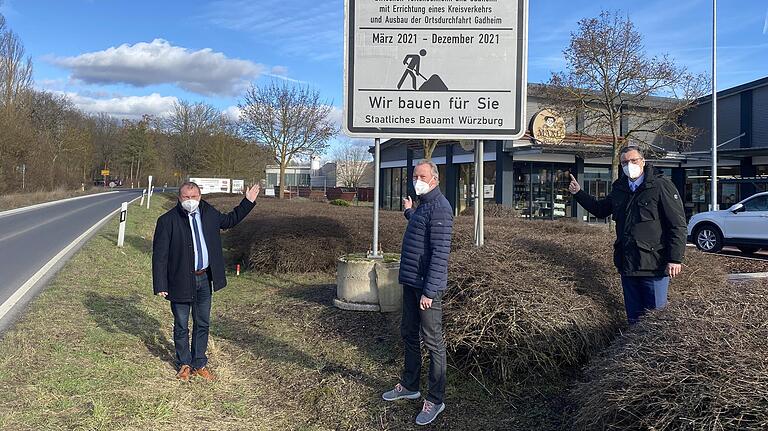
point(123, 217)
point(149, 190)
point(238, 269)
point(143, 192)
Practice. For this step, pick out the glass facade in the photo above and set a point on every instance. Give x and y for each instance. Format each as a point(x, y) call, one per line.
point(394, 187)
point(541, 190)
point(596, 181)
point(698, 186)
point(466, 191)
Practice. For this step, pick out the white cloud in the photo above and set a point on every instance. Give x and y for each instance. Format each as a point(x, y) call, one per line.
point(280, 70)
point(125, 107)
point(158, 62)
point(765, 23)
point(233, 113)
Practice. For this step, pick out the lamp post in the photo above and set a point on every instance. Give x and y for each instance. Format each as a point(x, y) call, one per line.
point(714, 105)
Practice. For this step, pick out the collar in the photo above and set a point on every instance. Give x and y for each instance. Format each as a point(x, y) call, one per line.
point(430, 195)
point(637, 181)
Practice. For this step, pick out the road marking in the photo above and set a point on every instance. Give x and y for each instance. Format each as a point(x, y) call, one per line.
point(747, 276)
point(45, 204)
point(21, 291)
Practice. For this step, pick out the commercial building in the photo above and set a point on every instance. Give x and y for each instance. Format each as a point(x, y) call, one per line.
point(531, 174)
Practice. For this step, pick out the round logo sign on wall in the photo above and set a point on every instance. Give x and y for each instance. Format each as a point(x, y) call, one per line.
point(548, 127)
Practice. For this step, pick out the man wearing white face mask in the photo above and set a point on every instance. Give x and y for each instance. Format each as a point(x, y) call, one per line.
point(650, 231)
point(188, 266)
point(424, 276)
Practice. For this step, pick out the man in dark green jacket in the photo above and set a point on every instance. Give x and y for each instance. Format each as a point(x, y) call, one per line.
point(650, 231)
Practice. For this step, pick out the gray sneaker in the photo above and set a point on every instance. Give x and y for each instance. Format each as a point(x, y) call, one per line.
point(429, 412)
point(400, 393)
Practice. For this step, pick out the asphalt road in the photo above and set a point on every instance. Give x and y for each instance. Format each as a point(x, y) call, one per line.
point(29, 239)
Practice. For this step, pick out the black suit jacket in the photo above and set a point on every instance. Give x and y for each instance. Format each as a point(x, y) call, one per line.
point(173, 254)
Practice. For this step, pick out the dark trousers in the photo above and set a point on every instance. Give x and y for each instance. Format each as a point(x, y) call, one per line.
point(201, 316)
point(429, 324)
point(642, 294)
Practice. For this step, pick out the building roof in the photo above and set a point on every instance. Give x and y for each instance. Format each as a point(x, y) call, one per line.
point(762, 82)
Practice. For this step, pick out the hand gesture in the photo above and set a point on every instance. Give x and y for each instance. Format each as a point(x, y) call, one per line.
point(674, 269)
point(252, 193)
point(407, 202)
point(163, 294)
point(574, 186)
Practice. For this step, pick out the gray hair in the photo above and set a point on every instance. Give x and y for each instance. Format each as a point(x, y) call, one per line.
point(186, 184)
point(433, 166)
point(629, 148)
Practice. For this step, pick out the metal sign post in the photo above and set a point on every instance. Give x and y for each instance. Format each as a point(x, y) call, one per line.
point(435, 70)
point(123, 217)
point(376, 180)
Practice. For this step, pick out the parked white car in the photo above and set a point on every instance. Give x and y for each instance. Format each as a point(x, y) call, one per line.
point(744, 225)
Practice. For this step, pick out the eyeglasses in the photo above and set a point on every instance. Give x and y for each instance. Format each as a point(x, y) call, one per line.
point(633, 161)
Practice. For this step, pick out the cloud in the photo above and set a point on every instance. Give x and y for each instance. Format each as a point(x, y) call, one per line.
point(125, 107)
point(203, 71)
point(233, 113)
point(765, 23)
point(302, 28)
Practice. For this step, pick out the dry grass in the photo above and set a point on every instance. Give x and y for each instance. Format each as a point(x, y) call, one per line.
point(700, 364)
point(94, 352)
point(18, 200)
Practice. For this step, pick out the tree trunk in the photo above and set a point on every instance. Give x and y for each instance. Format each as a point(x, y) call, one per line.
point(281, 180)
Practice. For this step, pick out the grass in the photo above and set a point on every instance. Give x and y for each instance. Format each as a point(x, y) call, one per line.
point(94, 352)
point(18, 200)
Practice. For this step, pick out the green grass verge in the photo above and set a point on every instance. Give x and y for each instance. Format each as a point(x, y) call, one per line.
point(94, 352)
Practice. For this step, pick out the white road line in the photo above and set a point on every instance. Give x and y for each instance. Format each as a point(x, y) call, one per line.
point(45, 204)
point(21, 291)
point(747, 276)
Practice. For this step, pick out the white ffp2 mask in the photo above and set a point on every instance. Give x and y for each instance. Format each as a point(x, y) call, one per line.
point(190, 205)
point(421, 187)
point(632, 171)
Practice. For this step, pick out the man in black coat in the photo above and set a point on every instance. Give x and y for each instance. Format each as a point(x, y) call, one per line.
point(188, 265)
point(650, 231)
point(424, 276)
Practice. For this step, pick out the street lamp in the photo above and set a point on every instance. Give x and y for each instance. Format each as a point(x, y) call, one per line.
point(714, 105)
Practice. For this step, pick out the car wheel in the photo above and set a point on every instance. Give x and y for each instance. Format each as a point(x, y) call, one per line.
point(708, 238)
point(748, 249)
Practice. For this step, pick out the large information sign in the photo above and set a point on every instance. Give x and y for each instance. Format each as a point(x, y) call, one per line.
point(435, 68)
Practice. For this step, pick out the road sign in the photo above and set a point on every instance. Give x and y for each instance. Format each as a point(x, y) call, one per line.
point(105, 172)
point(435, 69)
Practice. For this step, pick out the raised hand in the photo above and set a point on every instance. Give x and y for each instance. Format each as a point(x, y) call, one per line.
point(407, 202)
point(574, 186)
point(252, 193)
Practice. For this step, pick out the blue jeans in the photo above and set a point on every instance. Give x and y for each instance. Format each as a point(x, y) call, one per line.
point(201, 316)
point(642, 294)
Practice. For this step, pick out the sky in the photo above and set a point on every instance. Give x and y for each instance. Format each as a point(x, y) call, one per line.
point(133, 57)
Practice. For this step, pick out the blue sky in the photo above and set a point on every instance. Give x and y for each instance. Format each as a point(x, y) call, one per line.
point(127, 58)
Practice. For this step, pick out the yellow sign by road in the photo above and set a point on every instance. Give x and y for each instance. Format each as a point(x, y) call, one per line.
point(105, 172)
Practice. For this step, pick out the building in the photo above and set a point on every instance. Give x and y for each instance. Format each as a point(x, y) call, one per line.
point(531, 174)
point(328, 175)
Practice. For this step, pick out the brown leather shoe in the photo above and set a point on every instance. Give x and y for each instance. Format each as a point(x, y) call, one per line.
point(204, 373)
point(184, 372)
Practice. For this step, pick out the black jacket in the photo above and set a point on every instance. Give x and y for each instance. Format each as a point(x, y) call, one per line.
point(650, 223)
point(172, 253)
point(427, 244)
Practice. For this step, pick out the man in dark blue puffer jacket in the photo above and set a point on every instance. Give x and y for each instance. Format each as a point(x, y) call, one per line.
point(424, 275)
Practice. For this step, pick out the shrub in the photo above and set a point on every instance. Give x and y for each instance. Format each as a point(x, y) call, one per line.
point(340, 202)
point(700, 364)
point(539, 300)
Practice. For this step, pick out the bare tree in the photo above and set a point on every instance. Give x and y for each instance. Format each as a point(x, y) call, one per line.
point(620, 91)
point(352, 161)
point(429, 147)
point(190, 125)
point(290, 119)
